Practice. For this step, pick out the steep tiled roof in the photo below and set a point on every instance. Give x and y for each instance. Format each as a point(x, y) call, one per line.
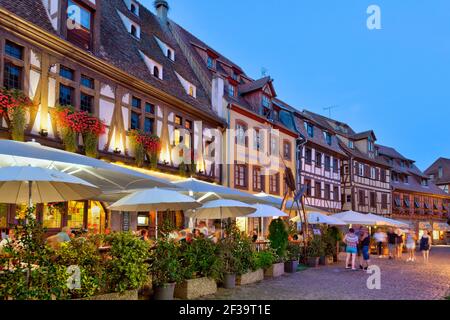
point(363, 135)
point(120, 49)
point(30, 10)
point(362, 156)
point(254, 85)
point(330, 124)
point(415, 176)
point(434, 170)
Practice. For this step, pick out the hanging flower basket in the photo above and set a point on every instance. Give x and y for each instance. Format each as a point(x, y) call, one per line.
point(14, 105)
point(145, 144)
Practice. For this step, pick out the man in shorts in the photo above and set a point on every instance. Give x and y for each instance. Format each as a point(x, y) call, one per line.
point(392, 243)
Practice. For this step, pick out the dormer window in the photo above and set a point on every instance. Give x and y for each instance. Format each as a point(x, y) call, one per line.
point(351, 145)
point(167, 51)
point(309, 129)
point(231, 90)
point(190, 89)
point(169, 54)
point(265, 101)
point(370, 145)
point(210, 63)
point(425, 182)
point(156, 71)
point(133, 31)
point(79, 25)
point(440, 172)
point(327, 136)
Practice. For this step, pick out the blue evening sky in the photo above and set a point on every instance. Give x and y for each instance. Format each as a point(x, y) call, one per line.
point(395, 81)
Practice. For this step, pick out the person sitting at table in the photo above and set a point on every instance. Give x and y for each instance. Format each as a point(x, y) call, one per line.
point(254, 236)
point(203, 228)
point(144, 235)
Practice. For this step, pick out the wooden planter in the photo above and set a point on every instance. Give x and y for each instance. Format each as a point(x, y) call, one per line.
point(195, 288)
point(126, 296)
point(291, 266)
point(313, 262)
point(251, 277)
point(276, 270)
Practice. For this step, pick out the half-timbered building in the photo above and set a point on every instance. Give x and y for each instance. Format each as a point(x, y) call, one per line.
point(365, 180)
point(439, 173)
point(118, 61)
point(415, 198)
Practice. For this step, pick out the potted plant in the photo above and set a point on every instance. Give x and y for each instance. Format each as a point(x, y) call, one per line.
point(229, 257)
point(165, 268)
point(314, 251)
point(278, 236)
point(293, 255)
point(250, 271)
point(201, 267)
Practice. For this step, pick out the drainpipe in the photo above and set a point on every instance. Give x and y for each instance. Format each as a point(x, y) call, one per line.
point(228, 145)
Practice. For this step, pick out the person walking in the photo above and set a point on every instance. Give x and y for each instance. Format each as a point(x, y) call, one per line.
point(411, 246)
point(392, 241)
point(380, 238)
point(365, 248)
point(399, 234)
point(425, 246)
point(351, 241)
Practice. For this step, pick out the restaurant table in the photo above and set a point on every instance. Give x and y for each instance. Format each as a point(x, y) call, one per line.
point(261, 245)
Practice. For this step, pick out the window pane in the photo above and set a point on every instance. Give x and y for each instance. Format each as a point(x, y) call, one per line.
point(86, 103)
point(52, 215)
point(135, 121)
point(79, 14)
point(14, 50)
point(149, 108)
point(87, 82)
point(148, 126)
point(75, 216)
point(12, 77)
point(65, 95)
point(66, 73)
point(136, 103)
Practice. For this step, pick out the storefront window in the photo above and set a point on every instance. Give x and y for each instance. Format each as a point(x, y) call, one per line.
point(3, 216)
point(96, 217)
point(75, 215)
point(52, 215)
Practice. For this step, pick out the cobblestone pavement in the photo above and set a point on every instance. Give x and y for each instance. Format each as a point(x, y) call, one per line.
point(400, 280)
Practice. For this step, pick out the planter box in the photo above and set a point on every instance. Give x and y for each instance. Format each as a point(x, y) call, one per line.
point(251, 277)
point(313, 262)
point(291, 266)
point(276, 270)
point(195, 288)
point(126, 296)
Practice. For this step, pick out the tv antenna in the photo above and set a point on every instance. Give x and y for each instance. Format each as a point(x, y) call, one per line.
point(264, 72)
point(329, 109)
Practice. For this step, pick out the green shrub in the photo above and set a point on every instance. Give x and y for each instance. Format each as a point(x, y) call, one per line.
point(264, 259)
point(293, 252)
point(84, 254)
point(165, 264)
point(126, 269)
point(278, 236)
point(90, 144)
point(315, 247)
point(201, 259)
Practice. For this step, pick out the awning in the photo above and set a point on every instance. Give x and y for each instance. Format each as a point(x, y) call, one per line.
point(108, 177)
point(425, 226)
point(441, 226)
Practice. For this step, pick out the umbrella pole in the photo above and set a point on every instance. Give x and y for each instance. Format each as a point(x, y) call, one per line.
point(221, 223)
point(156, 225)
point(30, 198)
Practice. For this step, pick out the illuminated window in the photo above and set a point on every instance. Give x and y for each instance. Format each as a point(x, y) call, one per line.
point(191, 91)
point(52, 215)
point(188, 124)
point(75, 215)
point(96, 217)
point(3, 215)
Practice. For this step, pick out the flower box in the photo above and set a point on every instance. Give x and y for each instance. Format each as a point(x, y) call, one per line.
point(276, 270)
point(129, 295)
point(195, 288)
point(250, 277)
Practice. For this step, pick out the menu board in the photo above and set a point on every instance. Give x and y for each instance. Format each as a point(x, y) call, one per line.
point(126, 221)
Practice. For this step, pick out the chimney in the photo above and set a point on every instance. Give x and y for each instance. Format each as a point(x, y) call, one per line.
point(162, 8)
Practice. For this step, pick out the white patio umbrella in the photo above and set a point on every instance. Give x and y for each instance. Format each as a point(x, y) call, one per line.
point(266, 211)
point(39, 185)
point(155, 200)
point(222, 209)
point(320, 218)
point(352, 217)
point(390, 222)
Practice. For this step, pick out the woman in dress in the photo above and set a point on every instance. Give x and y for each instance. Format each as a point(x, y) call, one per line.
point(425, 246)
